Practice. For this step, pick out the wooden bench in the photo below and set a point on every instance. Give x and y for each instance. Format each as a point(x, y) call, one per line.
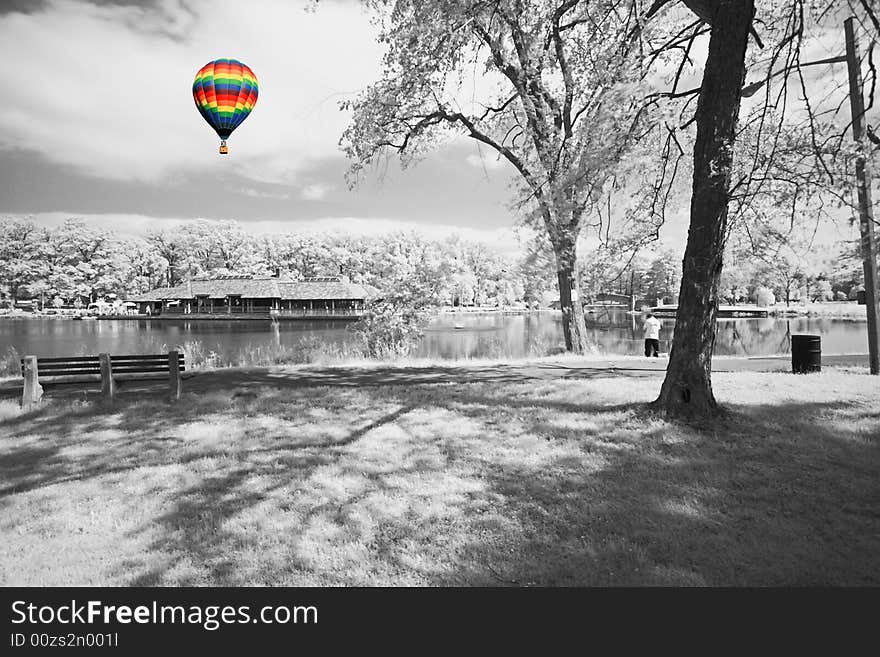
point(105, 368)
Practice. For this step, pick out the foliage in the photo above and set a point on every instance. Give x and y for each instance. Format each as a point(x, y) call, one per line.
point(416, 280)
point(20, 250)
point(10, 362)
point(390, 329)
point(647, 274)
point(552, 87)
point(776, 142)
point(76, 264)
point(764, 297)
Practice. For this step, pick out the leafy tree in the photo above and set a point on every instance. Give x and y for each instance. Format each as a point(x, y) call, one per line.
point(612, 268)
point(785, 147)
point(143, 268)
point(415, 279)
point(232, 246)
point(170, 245)
point(733, 285)
point(663, 276)
point(764, 296)
point(557, 101)
point(537, 270)
point(821, 291)
point(687, 388)
point(310, 256)
point(21, 252)
point(60, 260)
point(96, 257)
point(847, 272)
point(199, 242)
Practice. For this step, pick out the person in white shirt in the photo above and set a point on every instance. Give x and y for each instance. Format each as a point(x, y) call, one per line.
point(652, 336)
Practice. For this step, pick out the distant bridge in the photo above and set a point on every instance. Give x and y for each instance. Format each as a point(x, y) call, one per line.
point(625, 300)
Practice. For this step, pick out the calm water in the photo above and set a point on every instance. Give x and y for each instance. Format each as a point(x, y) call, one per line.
point(480, 335)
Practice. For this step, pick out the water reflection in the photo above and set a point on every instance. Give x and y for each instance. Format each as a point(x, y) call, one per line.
point(449, 336)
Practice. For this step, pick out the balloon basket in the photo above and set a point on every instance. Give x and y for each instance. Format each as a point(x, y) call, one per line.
point(223, 148)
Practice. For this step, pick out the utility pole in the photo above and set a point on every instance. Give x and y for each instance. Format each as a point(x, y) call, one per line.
point(863, 183)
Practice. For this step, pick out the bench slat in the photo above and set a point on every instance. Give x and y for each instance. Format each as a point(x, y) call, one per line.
point(69, 370)
point(71, 378)
point(71, 359)
point(160, 376)
point(95, 359)
point(140, 362)
point(61, 366)
point(119, 359)
point(96, 378)
point(140, 356)
point(48, 366)
point(116, 370)
point(135, 370)
point(48, 369)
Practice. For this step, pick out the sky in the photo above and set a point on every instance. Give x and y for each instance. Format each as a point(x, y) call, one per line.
point(100, 123)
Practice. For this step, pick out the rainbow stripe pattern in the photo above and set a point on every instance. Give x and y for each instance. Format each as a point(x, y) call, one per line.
point(225, 92)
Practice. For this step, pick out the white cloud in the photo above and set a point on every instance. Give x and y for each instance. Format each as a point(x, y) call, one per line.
point(260, 193)
point(486, 160)
point(315, 192)
point(107, 89)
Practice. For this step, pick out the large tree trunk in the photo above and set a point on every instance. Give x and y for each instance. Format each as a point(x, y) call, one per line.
point(573, 326)
point(687, 388)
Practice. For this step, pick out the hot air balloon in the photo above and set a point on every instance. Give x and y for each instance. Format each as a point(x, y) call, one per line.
point(225, 92)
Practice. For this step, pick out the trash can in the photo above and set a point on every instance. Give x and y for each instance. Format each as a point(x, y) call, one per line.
point(806, 353)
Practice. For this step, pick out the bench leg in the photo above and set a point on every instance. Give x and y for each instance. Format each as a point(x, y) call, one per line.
point(174, 382)
point(108, 385)
point(32, 392)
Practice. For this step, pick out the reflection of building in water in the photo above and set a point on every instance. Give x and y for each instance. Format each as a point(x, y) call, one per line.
point(229, 297)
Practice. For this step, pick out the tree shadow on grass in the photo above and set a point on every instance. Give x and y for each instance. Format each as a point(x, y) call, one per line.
point(405, 376)
point(774, 496)
point(486, 484)
point(127, 436)
point(110, 440)
point(112, 445)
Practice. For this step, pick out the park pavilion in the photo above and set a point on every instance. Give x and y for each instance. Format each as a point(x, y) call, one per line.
point(332, 296)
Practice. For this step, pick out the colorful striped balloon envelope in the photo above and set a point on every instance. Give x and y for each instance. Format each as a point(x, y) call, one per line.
point(225, 92)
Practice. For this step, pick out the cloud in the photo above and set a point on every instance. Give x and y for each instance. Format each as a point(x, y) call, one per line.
point(486, 160)
point(260, 193)
point(107, 88)
point(315, 192)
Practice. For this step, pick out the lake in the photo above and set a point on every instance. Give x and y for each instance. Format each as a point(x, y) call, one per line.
point(450, 336)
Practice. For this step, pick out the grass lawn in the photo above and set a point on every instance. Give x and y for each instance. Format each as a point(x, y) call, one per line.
point(562, 482)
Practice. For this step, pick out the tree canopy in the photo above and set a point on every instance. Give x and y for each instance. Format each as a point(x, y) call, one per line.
point(554, 88)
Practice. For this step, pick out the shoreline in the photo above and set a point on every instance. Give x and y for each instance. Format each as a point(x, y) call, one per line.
point(831, 310)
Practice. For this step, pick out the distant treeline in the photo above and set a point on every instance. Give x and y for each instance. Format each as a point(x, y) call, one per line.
point(75, 264)
point(774, 271)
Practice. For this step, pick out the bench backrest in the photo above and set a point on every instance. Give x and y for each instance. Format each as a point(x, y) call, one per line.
point(85, 366)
